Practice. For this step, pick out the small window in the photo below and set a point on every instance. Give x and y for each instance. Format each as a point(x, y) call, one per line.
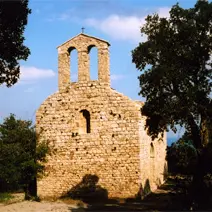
point(85, 125)
point(152, 151)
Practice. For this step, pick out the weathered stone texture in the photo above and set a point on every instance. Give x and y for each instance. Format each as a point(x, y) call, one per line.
point(83, 43)
point(92, 129)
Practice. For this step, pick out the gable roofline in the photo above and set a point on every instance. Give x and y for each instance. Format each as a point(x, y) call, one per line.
point(86, 36)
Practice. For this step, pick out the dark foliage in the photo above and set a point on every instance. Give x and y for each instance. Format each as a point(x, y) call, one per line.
point(13, 19)
point(176, 78)
point(182, 156)
point(20, 157)
point(176, 66)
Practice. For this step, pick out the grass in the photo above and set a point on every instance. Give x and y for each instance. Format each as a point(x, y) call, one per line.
point(4, 197)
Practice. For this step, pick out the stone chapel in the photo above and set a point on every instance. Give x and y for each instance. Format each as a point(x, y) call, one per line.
point(93, 129)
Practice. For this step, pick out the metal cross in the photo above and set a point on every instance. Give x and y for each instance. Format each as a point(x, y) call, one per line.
point(83, 29)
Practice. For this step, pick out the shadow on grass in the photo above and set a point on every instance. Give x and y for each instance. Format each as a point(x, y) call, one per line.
point(4, 197)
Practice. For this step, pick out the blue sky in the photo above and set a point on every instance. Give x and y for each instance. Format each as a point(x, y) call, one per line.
point(52, 22)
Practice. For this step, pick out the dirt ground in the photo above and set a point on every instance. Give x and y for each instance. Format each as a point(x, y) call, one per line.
point(27, 206)
point(18, 205)
point(167, 198)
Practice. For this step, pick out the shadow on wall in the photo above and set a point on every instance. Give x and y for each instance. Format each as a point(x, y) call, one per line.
point(144, 190)
point(168, 198)
point(171, 196)
point(88, 191)
point(158, 181)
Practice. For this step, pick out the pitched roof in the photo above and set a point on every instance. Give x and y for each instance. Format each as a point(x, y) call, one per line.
point(86, 36)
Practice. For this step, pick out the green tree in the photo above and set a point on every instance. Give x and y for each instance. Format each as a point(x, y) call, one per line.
point(182, 155)
point(20, 157)
point(13, 19)
point(176, 74)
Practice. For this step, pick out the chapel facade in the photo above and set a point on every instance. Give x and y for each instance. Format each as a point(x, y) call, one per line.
point(94, 130)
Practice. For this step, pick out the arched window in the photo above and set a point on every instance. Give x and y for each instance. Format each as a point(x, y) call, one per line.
point(73, 64)
point(152, 151)
point(93, 58)
point(152, 161)
point(85, 124)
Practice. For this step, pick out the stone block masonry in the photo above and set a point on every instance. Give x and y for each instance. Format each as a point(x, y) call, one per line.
point(93, 129)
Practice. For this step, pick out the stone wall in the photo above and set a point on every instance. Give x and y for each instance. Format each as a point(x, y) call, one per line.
point(153, 167)
point(117, 149)
point(83, 44)
point(93, 129)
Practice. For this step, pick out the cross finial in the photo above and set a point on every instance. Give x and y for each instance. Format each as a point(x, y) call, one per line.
point(83, 29)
